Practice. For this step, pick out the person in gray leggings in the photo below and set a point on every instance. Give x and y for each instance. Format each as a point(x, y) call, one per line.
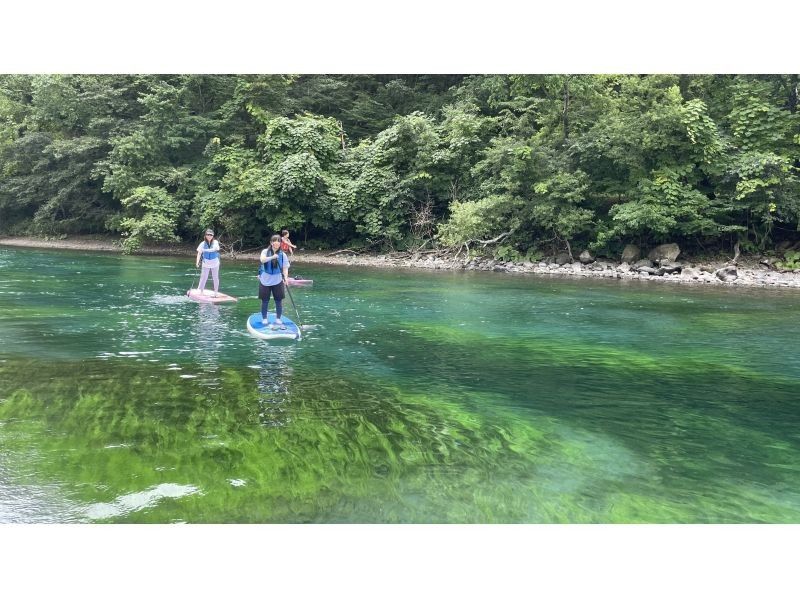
point(208, 252)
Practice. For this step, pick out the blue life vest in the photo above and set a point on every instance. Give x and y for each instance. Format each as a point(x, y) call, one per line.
point(272, 266)
point(209, 255)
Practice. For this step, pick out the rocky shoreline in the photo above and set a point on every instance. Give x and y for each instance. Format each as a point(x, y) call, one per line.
point(660, 265)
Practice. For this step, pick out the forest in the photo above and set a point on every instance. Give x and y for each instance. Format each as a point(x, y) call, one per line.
point(517, 166)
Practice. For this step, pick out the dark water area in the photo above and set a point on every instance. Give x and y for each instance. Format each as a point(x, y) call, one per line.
point(413, 397)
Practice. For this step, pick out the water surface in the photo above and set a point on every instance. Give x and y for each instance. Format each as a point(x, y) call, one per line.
point(413, 397)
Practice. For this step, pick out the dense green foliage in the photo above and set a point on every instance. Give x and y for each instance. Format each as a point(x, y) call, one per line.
point(519, 164)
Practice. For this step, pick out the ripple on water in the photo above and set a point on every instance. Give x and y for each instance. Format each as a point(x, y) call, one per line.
point(169, 299)
point(32, 503)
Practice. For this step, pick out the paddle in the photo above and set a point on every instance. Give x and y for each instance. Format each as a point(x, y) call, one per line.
point(196, 273)
point(198, 270)
point(296, 313)
point(194, 279)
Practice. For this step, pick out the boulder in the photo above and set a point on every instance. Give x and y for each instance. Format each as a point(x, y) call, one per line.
point(631, 253)
point(727, 274)
point(563, 258)
point(666, 252)
point(642, 264)
point(671, 268)
point(690, 273)
point(585, 257)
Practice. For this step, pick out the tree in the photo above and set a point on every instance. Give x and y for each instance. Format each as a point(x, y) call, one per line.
point(51, 152)
point(517, 163)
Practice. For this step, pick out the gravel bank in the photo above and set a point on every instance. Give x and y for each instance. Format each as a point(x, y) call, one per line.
point(749, 271)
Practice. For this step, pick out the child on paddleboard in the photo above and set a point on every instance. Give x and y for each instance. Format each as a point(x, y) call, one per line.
point(273, 271)
point(286, 245)
point(208, 252)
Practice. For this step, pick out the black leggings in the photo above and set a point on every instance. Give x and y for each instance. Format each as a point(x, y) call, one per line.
point(276, 291)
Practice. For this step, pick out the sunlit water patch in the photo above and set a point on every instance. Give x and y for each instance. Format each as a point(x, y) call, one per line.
point(137, 501)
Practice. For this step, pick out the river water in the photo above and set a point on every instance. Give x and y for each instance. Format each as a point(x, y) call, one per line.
point(413, 397)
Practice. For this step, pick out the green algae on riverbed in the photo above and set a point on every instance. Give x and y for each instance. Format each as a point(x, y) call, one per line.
point(245, 459)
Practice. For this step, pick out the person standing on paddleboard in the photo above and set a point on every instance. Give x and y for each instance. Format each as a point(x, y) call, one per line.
point(273, 271)
point(208, 252)
point(286, 245)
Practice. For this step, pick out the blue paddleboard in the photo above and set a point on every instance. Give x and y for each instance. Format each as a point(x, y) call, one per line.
point(272, 331)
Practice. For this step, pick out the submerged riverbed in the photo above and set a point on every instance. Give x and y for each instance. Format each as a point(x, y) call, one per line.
point(413, 397)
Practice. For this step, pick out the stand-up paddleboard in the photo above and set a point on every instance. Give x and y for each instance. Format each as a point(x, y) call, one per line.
point(299, 282)
point(272, 331)
point(207, 296)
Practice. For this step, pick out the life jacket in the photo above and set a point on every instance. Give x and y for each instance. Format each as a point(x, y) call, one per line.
point(272, 266)
point(209, 255)
point(284, 245)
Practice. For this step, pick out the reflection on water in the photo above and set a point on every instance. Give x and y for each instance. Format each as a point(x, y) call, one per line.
point(413, 397)
point(211, 331)
point(274, 382)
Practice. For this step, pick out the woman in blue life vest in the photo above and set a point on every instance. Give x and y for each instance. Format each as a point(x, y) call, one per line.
point(208, 252)
point(273, 271)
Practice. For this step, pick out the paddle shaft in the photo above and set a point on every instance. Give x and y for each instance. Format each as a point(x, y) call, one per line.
point(196, 273)
point(296, 313)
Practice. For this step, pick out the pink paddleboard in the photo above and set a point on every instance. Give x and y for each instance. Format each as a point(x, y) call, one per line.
point(299, 282)
point(207, 296)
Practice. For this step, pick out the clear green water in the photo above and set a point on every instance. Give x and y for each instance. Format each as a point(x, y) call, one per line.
point(415, 397)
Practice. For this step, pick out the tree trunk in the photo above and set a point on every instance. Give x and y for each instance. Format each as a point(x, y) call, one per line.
point(789, 83)
point(569, 249)
point(565, 115)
